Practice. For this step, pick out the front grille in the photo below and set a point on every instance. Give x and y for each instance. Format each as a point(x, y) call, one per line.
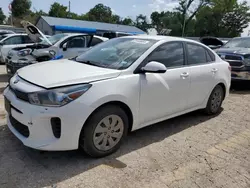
point(233, 57)
point(22, 129)
point(235, 63)
point(20, 95)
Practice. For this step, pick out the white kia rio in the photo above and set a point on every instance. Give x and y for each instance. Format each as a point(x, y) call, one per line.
point(124, 84)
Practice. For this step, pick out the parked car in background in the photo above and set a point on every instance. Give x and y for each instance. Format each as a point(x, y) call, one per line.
point(67, 45)
point(212, 42)
point(237, 53)
point(11, 41)
point(111, 35)
point(118, 86)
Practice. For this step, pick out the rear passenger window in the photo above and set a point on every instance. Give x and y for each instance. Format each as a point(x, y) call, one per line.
point(209, 59)
point(196, 54)
point(169, 54)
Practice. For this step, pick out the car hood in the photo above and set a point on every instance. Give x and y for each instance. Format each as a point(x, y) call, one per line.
point(241, 51)
point(64, 72)
point(34, 33)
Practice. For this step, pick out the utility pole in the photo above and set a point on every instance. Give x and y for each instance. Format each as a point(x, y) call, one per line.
point(69, 6)
point(69, 15)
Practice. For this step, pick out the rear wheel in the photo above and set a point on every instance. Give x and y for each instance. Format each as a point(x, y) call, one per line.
point(215, 100)
point(104, 131)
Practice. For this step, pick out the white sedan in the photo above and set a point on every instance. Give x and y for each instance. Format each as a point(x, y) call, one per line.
point(118, 86)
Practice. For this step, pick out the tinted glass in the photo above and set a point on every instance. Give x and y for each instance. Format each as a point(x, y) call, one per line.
point(196, 54)
point(76, 42)
point(122, 34)
point(209, 59)
point(27, 40)
point(13, 40)
point(118, 53)
point(243, 42)
point(95, 41)
point(170, 54)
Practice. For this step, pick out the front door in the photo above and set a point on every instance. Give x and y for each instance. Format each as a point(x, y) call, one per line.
point(75, 46)
point(164, 94)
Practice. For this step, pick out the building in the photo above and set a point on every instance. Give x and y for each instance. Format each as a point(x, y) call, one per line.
point(53, 25)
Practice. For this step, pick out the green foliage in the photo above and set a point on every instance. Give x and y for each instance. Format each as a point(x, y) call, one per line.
point(142, 23)
point(221, 18)
point(20, 8)
point(2, 16)
point(58, 10)
point(100, 13)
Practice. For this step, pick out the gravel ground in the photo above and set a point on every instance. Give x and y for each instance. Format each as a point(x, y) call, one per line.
point(191, 151)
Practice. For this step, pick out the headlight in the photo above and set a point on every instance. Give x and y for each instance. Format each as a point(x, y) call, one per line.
point(58, 97)
point(10, 53)
point(24, 52)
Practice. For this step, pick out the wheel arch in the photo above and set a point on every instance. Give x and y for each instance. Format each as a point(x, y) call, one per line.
point(121, 104)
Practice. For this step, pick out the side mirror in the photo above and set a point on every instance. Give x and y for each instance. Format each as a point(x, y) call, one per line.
point(65, 46)
point(154, 67)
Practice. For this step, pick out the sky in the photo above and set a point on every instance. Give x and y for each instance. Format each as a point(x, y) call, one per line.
point(127, 8)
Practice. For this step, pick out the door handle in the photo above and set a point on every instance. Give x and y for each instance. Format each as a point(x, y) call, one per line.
point(184, 75)
point(214, 70)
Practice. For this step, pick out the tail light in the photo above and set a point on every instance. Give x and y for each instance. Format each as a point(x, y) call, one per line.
point(229, 68)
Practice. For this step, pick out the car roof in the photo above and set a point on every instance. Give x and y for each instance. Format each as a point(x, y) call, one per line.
point(162, 38)
point(16, 34)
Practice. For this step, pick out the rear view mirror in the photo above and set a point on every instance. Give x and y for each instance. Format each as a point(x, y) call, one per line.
point(154, 67)
point(65, 46)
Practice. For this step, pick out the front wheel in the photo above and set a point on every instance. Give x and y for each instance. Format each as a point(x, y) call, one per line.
point(215, 100)
point(104, 131)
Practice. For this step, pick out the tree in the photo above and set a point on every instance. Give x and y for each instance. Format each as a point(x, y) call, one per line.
point(127, 21)
point(100, 13)
point(236, 20)
point(157, 20)
point(222, 21)
point(20, 8)
point(186, 13)
point(2, 16)
point(141, 23)
point(58, 10)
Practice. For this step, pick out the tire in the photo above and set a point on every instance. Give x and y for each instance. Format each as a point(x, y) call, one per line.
point(215, 100)
point(95, 133)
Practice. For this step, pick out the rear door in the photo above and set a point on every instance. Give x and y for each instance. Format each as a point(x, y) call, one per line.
point(202, 73)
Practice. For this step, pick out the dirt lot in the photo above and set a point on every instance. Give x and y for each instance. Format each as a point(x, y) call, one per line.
point(191, 151)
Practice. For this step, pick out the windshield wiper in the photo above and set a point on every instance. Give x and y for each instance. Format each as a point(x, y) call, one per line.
point(88, 63)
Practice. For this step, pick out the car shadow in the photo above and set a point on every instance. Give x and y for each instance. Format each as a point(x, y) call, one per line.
point(4, 77)
point(50, 168)
point(240, 87)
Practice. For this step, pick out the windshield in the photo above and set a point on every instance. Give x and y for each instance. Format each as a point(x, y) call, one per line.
point(238, 42)
point(54, 39)
point(118, 53)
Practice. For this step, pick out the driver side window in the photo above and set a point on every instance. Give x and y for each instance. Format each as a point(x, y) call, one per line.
point(170, 54)
point(76, 42)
